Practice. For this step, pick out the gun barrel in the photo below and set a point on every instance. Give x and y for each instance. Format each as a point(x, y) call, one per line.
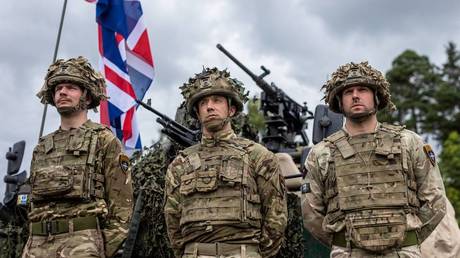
point(237, 62)
point(164, 117)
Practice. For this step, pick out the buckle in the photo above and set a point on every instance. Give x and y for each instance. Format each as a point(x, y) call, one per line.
point(48, 227)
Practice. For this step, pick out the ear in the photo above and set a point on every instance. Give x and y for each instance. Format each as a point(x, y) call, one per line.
point(89, 99)
point(232, 111)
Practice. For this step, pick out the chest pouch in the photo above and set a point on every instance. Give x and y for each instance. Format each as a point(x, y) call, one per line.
point(232, 170)
point(376, 230)
point(201, 178)
point(63, 182)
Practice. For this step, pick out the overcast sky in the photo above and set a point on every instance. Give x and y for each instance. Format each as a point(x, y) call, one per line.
point(301, 42)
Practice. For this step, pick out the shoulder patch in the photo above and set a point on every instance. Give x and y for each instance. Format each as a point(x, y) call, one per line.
point(430, 154)
point(123, 161)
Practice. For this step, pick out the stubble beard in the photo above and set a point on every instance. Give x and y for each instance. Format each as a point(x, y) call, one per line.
point(215, 125)
point(360, 116)
point(68, 111)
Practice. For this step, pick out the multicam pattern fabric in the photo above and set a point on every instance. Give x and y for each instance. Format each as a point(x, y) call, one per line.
point(322, 174)
point(213, 82)
point(352, 74)
point(258, 215)
point(79, 244)
point(74, 70)
point(88, 181)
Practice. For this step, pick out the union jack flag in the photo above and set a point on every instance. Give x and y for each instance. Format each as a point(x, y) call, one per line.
point(126, 63)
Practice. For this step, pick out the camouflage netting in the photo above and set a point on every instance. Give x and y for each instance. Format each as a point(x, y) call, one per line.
point(357, 74)
point(148, 176)
point(13, 232)
point(293, 245)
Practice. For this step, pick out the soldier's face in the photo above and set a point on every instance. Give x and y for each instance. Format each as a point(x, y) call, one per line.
point(358, 102)
point(67, 94)
point(69, 98)
point(212, 110)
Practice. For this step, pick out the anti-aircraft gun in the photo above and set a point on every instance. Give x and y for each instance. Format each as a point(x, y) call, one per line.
point(286, 120)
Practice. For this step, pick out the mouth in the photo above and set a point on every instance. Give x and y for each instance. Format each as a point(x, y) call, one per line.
point(62, 101)
point(212, 116)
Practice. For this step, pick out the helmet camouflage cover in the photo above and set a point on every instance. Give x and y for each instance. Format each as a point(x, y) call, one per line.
point(213, 82)
point(352, 74)
point(77, 71)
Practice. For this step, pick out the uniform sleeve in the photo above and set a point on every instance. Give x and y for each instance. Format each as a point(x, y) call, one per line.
point(430, 188)
point(313, 204)
point(274, 205)
point(172, 209)
point(119, 195)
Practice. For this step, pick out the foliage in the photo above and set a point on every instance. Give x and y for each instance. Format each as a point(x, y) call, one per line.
point(256, 117)
point(413, 80)
point(450, 168)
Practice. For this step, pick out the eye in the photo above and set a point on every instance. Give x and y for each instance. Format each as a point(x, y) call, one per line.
point(347, 92)
point(201, 103)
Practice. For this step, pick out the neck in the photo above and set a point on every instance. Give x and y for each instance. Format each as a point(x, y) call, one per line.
point(227, 126)
point(362, 127)
point(74, 120)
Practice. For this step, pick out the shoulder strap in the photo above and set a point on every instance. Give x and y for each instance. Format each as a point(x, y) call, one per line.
point(48, 142)
point(387, 135)
point(339, 139)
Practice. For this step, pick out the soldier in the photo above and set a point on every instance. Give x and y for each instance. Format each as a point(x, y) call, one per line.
point(225, 196)
point(375, 188)
point(81, 200)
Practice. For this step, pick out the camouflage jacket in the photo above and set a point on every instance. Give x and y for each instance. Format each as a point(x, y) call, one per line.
point(428, 181)
point(97, 152)
point(264, 182)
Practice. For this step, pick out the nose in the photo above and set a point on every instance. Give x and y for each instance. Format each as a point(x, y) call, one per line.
point(355, 94)
point(61, 90)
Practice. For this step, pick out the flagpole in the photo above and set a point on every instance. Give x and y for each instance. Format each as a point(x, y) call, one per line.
point(54, 60)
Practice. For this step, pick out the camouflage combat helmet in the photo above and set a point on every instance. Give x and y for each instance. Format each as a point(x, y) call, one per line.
point(213, 82)
point(352, 74)
point(74, 70)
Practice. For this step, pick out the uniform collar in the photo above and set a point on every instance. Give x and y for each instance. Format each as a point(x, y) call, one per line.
point(377, 127)
point(84, 125)
point(221, 136)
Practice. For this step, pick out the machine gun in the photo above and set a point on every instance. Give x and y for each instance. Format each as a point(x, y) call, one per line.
point(285, 118)
point(177, 132)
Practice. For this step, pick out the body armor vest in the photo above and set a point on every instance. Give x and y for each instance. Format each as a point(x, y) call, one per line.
point(217, 186)
point(66, 166)
point(371, 187)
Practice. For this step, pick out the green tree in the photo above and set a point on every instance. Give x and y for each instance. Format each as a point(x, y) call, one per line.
point(450, 169)
point(256, 117)
point(413, 79)
point(446, 117)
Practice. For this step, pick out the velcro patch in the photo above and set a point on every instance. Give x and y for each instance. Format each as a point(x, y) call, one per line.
point(123, 160)
point(430, 154)
point(305, 188)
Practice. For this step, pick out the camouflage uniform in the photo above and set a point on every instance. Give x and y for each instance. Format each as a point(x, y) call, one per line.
point(81, 200)
point(224, 196)
point(377, 194)
point(445, 239)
